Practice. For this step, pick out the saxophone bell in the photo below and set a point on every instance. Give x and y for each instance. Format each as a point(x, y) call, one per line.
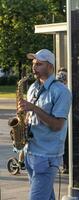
point(13, 122)
point(17, 133)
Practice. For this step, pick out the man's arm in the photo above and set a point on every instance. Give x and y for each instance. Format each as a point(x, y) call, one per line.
point(54, 123)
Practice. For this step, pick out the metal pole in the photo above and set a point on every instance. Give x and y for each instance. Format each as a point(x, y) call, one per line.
point(0, 193)
point(69, 68)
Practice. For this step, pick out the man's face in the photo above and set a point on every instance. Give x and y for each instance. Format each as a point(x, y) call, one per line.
point(40, 69)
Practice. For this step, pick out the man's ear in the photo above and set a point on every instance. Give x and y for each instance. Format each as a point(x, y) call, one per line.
point(51, 68)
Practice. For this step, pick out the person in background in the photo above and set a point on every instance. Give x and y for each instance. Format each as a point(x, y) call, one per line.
point(49, 102)
point(62, 76)
point(21, 159)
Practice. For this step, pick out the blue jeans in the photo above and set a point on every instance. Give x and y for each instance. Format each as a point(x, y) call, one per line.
point(42, 172)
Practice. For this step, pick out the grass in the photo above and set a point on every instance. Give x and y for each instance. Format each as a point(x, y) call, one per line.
point(7, 91)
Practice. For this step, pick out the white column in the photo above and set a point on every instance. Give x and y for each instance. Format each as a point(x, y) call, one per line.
point(61, 50)
point(0, 193)
point(69, 68)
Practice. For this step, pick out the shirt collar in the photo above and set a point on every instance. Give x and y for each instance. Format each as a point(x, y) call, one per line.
point(49, 81)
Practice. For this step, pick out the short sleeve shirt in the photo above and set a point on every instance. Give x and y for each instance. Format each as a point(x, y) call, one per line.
point(55, 100)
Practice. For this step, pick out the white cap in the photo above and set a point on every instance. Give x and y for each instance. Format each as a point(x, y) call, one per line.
point(43, 55)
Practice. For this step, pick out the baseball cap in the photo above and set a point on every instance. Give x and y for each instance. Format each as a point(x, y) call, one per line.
point(43, 55)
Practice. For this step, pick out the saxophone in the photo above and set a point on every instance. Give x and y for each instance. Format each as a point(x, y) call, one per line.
point(19, 132)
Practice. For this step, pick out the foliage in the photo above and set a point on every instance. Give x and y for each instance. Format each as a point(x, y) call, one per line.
point(58, 10)
point(17, 37)
point(7, 89)
point(11, 80)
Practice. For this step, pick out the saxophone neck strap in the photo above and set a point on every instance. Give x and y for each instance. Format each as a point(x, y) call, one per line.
point(42, 89)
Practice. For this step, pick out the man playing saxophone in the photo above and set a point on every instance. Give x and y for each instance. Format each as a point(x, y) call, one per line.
point(49, 102)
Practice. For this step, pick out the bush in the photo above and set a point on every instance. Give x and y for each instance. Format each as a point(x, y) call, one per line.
point(11, 80)
point(3, 80)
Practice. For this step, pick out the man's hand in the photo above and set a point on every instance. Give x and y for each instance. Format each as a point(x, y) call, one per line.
point(54, 123)
point(25, 105)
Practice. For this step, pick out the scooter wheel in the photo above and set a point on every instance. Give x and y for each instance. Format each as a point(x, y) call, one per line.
point(13, 166)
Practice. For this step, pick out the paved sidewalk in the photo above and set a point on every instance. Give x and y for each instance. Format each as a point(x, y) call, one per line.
point(17, 187)
point(7, 103)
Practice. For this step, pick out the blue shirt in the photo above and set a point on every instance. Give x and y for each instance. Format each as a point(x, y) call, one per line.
point(55, 99)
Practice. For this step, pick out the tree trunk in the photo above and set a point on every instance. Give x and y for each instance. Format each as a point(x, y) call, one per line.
point(20, 69)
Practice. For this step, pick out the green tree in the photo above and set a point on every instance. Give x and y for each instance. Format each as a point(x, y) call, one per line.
point(17, 37)
point(57, 9)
